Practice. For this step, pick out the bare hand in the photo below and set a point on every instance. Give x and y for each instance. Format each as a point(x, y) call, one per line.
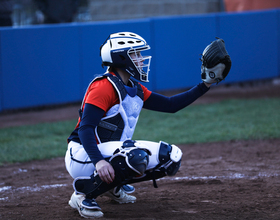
point(106, 171)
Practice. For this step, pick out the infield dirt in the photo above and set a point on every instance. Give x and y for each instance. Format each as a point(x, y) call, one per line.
point(225, 180)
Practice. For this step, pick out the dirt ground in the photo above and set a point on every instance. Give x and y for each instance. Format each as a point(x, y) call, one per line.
point(225, 180)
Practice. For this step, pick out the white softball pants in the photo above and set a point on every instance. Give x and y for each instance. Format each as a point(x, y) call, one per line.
point(107, 149)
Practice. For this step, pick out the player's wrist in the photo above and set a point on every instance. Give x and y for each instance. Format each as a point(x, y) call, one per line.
point(207, 84)
point(99, 162)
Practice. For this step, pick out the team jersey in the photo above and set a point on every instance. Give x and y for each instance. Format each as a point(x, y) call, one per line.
point(102, 94)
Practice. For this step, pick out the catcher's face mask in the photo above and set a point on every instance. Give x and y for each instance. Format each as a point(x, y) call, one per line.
point(141, 63)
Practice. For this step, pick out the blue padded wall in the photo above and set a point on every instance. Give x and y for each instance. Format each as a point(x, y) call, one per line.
point(40, 66)
point(53, 64)
point(252, 43)
point(278, 42)
point(178, 43)
point(1, 78)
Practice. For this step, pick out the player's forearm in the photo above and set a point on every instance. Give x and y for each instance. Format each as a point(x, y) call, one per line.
point(90, 119)
point(87, 137)
point(184, 99)
point(207, 84)
point(177, 102)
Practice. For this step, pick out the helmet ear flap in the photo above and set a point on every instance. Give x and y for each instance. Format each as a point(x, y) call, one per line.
point(122, 57)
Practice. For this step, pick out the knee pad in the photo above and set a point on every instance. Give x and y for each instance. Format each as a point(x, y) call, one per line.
point(136, 157)
point(169, 158)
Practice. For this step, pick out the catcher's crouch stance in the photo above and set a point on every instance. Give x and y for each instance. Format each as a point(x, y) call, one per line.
point(102, 157)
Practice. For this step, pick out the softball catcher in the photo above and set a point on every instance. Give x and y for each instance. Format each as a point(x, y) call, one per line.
point(101, 157)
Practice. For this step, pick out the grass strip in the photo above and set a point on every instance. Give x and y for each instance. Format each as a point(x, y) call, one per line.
point(223, 121)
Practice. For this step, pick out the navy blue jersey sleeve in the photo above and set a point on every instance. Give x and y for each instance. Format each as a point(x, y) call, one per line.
point(161, 103)
point(90, 119)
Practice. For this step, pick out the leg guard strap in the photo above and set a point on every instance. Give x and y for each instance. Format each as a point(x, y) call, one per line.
point(149, 175)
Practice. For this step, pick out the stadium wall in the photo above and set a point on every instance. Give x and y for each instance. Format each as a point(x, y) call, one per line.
point(52, 64)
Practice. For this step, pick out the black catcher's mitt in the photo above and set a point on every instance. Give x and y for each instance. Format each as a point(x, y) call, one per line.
point(216, 62)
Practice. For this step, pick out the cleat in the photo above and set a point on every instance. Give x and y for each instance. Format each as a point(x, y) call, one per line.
point(88, 208)
point(120, 196)
point(128, 188)
point(90, 204)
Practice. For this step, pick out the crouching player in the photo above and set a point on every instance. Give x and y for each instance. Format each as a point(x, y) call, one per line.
point(101, 156)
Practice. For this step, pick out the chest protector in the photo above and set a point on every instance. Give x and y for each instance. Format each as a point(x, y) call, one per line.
point(120, 121)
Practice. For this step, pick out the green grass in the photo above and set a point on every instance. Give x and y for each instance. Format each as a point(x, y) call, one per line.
point(223, 121)
point(34, 142)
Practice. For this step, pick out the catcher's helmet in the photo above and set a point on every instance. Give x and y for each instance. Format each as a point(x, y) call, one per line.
point(117, 51)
